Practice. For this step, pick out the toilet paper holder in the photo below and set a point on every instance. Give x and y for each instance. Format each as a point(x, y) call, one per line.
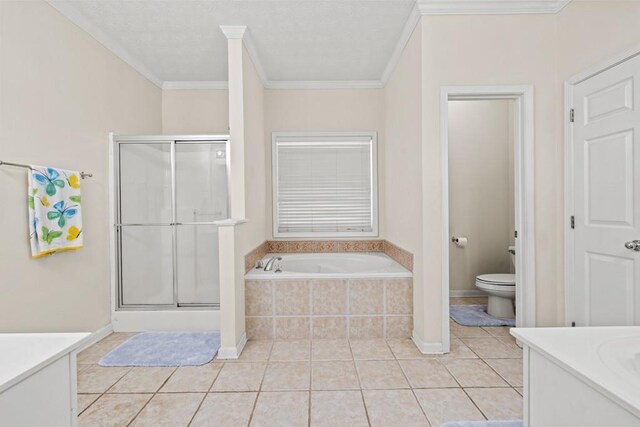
point(459, 241)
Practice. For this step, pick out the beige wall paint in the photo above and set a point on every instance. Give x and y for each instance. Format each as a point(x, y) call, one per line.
point(255, 231)
point(61, 93)
point(592, 31)
point(541, 50)
point(195, 112)
point(402, 163)
point(480, 189)
point(332, 110)
point(494, 50)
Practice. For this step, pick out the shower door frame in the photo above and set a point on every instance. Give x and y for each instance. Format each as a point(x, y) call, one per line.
point(116, 239)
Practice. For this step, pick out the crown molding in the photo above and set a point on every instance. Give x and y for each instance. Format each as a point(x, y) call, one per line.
point(234, 31)
point(407, 31)
point(324, 84)
point(489, 7)
point(71, 13)
point(189, 85)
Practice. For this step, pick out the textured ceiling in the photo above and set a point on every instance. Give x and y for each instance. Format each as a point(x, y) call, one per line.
point(301, 40)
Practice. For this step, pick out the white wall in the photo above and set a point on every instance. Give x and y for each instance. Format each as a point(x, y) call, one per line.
point(61, 93)
point(480, 189)
point(195, 112)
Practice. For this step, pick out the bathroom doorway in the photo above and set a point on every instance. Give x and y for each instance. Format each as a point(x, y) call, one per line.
point(488, 252)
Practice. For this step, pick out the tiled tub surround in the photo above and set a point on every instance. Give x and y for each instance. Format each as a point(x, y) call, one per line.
point(398, 254)
point(329, 308)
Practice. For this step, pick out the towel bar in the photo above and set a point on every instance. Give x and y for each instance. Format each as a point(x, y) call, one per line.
point(83, 175)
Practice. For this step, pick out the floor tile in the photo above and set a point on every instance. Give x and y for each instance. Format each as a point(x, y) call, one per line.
point(509, 369)
point(170, 410)
point(337, 409)
point(330, 350)
point(84, 400)
point(240, 377)
point(97, 379)
point(498, 331)
point(142, 380)
point(334, 375)
point(225, 409)
point(457, 350)
point(291, 350)
point(520, 391)
point(447, 404)
point(393, 408)
point(255, 351)
point(427, 373)
point(497, 403)
point(113, 410)
point(117, 338)
point(405, 349)
point(370, 350)
point(492, 348)
point(460, 331)
point(192, 378)
point(380, 374)
point(283, 376)
point(282, 409)
point(474, 373)
point(94, 353)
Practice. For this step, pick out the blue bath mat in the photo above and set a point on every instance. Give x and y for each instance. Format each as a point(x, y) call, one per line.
point(489, 423)
point(165, 349)
point(476, 315)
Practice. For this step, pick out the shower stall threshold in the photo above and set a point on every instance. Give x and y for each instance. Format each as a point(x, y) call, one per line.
point(194, 319)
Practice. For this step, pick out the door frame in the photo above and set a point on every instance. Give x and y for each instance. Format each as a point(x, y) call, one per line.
point(523, 197)
point(569, 248)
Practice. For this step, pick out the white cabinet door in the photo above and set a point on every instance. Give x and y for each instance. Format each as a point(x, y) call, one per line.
point(606, 186)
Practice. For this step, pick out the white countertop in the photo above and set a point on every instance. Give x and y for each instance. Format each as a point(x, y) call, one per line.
point(23, 354)
point(603, 357)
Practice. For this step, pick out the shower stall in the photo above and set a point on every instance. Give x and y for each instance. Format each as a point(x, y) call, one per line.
point(169, 192)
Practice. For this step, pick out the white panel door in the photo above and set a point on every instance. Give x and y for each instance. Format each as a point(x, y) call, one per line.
point(606, 156)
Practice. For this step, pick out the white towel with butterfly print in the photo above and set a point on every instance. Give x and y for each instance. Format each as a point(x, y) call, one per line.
point(55, 213)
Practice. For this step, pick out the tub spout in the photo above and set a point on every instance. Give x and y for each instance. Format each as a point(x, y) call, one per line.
point(269, 265)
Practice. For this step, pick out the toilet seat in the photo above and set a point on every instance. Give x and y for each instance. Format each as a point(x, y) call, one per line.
point(497, 279)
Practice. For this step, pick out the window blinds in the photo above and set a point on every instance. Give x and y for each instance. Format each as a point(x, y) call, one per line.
point(324, 185)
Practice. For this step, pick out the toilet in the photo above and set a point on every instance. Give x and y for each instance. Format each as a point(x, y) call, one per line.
point(501, 289)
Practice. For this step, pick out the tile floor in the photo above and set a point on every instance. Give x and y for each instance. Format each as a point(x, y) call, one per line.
point(317, 383)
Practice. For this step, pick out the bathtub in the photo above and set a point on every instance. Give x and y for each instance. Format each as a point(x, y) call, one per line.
point(343, 265)
point(342, 295)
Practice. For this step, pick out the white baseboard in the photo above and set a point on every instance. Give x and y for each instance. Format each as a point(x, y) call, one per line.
point(95, 337)
point(169, 320)
point(233, 352)
point(426, 347)
point(467, 293)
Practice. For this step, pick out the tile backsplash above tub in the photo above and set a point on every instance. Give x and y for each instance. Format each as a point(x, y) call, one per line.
point(400, 255)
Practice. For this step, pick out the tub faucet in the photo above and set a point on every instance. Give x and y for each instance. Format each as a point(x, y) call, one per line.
point(269, 265)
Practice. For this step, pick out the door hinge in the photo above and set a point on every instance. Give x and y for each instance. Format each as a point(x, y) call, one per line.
point(515, 234)
point(573, 222)
point(573, 324)
point(572, 115)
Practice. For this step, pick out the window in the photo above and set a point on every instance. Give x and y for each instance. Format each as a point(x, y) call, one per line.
point(324, 185)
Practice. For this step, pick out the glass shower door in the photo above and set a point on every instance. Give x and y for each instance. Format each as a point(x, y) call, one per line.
point(169, 195)
point(201, 199)
point(145, 230)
